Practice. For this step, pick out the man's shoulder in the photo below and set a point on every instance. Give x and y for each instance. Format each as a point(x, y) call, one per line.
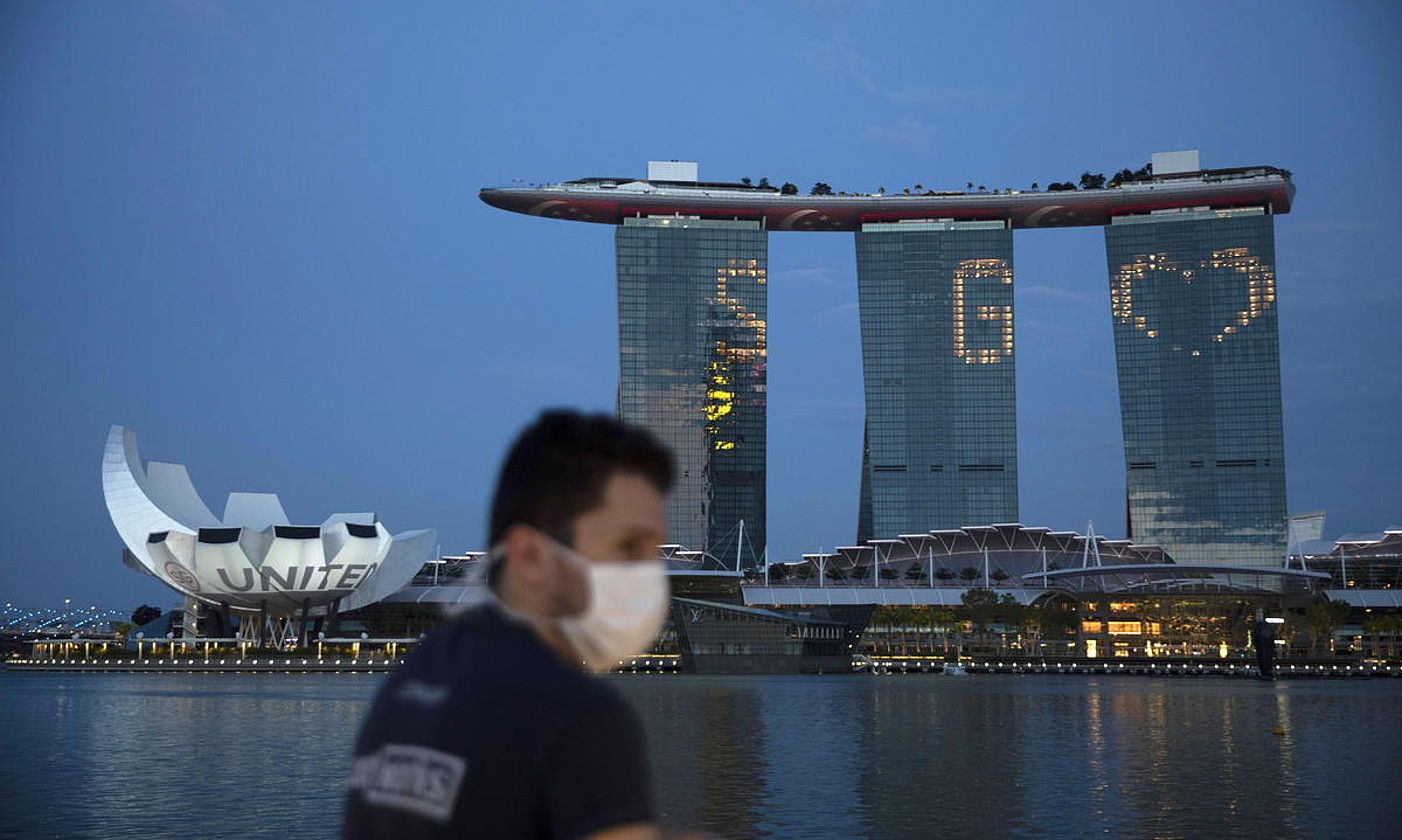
point(596, 765)
point(483, 652)
point(473, 677)
point(594, 710)
point(596, 694)
point(506, 734)
point(477, 632)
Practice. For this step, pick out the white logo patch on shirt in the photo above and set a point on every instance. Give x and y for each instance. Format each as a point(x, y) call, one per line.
point(410, 778)
point(422, 693)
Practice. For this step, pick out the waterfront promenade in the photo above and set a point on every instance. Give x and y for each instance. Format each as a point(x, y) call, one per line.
point(671, 664)
point(261, 665)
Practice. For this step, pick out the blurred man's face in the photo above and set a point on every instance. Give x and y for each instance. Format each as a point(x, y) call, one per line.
point(628, 525)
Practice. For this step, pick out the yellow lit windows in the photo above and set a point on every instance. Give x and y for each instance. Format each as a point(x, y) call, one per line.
point(1259, 288)
point(691, 303)
point(968, 274)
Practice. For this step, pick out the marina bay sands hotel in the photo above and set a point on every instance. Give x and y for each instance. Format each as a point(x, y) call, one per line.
point(1192, 292)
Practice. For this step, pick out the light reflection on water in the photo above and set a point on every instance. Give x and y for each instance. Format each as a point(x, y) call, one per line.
point(921, 756)
point(149, 755)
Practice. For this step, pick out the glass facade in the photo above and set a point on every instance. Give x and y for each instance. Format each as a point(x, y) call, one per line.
point(936, 303)
point(1193, 299)
point(692, 310)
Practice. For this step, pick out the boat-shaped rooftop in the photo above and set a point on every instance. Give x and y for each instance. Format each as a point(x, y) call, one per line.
point(611, 200)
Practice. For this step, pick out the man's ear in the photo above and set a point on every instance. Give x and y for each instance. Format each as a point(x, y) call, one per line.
point(526, 555)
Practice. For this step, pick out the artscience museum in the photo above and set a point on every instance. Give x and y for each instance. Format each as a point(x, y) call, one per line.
point(251, 566)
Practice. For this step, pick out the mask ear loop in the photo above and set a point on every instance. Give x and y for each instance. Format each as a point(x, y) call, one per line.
point(481, 572)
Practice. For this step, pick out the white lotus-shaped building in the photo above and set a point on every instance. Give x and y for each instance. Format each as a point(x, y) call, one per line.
point(252, 559)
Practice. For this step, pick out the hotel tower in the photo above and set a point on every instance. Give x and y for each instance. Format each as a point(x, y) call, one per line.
point(1191, 262)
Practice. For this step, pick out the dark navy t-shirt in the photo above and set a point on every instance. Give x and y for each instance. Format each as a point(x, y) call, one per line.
point(484, 732)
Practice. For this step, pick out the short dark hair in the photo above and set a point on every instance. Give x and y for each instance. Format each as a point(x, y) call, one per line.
point(557, 468)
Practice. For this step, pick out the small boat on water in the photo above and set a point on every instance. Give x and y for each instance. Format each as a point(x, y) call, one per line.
point(954, 670)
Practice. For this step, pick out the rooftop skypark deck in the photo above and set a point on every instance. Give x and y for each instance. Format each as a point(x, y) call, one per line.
point(609, 200)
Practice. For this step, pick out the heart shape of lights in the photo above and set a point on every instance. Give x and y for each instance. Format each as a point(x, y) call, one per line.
point(1259, 297)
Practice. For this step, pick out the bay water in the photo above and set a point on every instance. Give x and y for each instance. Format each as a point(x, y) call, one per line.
point(266, 756)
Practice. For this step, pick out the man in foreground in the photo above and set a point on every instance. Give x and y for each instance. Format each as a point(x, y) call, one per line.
point(491, 728)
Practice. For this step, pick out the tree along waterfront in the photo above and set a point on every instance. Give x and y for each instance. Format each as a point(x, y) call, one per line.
point(989, 623)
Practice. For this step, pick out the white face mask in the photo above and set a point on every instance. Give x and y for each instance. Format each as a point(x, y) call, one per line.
point(628, 602)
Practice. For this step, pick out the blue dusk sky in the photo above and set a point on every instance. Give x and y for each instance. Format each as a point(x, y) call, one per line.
point(250, 231)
